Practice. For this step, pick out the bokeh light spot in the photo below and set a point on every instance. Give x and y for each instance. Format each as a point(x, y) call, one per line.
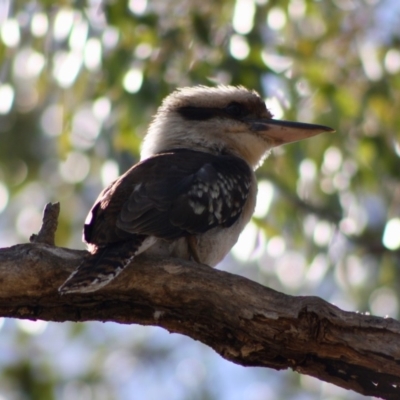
point(322, 233)
point(332, 160)
point(384, 302)
point(243, 16)
point(51, 120)
point(6, 98)
point(143, 51)
point(133, 79)
point(110, 37)
point(78, 36)
point(3, 197)
point(66, 67)
point(264, 198)
point(275, 107)
point(276, 62)
point(276, 246)
point(396, 147)
point(391, 234)
point(28, 64)
point(317, 269)
point(63, 24)
point(137, 7)
point(92, 54)
point(238, 47)
point(75, 168)
point(356, 216)
point(370, 61)
point(245, 246)
point(85, 128)
point(308, 170)
point(297, 9)
point(276, 18)
point(32, 327)
point(39, 24)
point(28, 221)
point(102, 108)
point(392, 61)
point(109, 172)
point(348, 226)
point(356, 273)
point(9, 32)
point(290, 269)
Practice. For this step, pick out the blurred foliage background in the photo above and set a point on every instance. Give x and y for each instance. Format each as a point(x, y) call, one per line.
point(79, 83)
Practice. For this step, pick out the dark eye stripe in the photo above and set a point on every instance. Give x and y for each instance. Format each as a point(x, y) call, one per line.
point(232, 110)
point(198, 113)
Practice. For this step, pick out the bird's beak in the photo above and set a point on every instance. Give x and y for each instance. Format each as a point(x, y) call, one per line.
point(282, 132)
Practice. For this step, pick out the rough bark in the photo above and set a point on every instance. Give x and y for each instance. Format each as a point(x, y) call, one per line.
point(241, 320)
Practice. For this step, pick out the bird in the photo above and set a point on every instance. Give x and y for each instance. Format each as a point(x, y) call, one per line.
point(193, 190)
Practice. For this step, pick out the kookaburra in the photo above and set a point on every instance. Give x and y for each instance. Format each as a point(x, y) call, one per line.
point(194, 189)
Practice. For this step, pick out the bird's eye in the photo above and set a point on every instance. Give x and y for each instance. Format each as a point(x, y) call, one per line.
point(235, 110)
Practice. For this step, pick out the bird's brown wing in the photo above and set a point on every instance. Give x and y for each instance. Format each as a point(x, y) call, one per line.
point(171, 195)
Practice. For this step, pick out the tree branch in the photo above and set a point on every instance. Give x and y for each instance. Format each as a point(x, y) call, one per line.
point(49, 225)
point(241, 320)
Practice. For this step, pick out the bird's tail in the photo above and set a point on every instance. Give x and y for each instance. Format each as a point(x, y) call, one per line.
point(102, 266)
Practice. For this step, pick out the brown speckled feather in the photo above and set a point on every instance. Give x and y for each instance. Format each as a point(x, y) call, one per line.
point(168, 196)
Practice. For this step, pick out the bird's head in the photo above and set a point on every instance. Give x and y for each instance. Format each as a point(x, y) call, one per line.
point(223, 119)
